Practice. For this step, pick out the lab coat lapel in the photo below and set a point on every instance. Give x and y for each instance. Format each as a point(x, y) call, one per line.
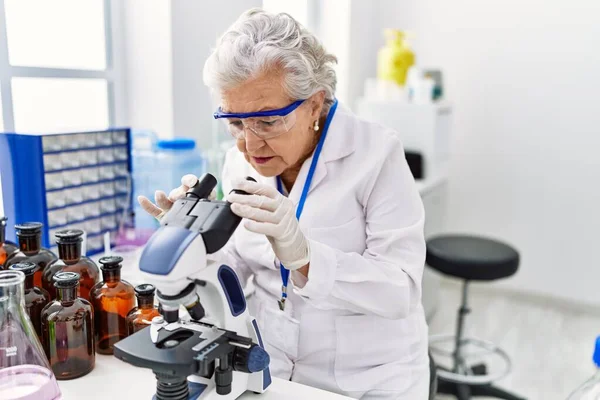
point(319, 175)
point(339, 143)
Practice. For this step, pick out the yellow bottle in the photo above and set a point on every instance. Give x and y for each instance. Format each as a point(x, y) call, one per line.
point(395, 58)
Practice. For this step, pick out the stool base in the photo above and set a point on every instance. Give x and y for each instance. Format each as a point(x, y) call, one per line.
point(464, 391)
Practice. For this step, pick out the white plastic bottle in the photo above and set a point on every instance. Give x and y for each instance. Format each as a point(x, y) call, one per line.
point(590, 390)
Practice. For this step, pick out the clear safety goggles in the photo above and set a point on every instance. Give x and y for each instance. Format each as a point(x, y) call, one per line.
point(264, 124)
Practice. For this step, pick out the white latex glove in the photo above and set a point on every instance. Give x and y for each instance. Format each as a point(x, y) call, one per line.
point(164, 202)
point(269, 212)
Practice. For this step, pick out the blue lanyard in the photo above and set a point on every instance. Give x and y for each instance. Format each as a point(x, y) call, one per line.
point(285, 273)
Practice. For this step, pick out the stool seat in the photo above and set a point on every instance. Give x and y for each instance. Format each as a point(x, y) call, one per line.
point(471, 257)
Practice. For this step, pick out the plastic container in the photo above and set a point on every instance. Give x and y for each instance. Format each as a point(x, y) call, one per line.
point(174, 159)
point(395, 58)
point(25, 373)
point(144, 183)
point(160, 165)
point(590, 390)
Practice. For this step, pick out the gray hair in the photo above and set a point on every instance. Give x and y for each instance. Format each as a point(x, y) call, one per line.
point(258, 41)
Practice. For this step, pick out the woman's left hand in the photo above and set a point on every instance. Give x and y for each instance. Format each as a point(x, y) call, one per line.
point(269, 212)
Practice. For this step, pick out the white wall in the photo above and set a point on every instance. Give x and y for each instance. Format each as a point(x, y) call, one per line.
point(524, 79)
point(167, 44)
point(148, 65)
point(196, 27)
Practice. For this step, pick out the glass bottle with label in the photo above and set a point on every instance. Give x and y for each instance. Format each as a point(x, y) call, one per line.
point(35, 298)
point(24, 368)
point(141, 316)
point(68, 329)
point(112, 299)
point(29, 236)
point(6, 248)
point(70, 259)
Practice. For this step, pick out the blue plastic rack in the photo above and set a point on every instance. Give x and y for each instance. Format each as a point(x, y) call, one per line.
point(67, 181)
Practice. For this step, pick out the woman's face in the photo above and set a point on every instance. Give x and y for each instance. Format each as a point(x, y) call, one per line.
point(270, 157)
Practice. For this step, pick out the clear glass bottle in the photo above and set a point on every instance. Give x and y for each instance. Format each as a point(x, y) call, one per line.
point(141, 316)
point(29, 236)
point(35, 298)
point(71, 260)
point(112, 300)
point(24, 369)
point(68, 329)
point(6, 248)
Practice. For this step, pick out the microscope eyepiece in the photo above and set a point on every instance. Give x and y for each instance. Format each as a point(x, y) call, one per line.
point(248, 178)
point(201, 190)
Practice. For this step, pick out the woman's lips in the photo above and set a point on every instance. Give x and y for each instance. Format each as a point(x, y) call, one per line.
point(261, 160)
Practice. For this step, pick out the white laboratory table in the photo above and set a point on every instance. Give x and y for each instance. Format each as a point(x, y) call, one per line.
point(114, 379)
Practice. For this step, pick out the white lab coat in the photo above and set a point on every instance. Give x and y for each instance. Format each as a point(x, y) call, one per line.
point(356, 326)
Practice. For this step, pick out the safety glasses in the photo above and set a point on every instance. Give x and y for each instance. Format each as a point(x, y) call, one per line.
point(264, 124)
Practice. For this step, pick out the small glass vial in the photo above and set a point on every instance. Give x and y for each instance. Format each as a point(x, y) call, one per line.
point(35, 298)
point(70, 259)
point(112, 299)
point(68, 330)
point(141, 316)
point(29, 236)
point(6, 248)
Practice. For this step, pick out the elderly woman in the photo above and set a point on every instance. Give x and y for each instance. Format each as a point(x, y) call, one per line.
point(334, 215)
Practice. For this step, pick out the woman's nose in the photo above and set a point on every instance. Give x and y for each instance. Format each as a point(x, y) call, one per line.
point(253, 142)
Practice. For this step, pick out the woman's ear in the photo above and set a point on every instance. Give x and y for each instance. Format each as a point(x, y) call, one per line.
point(316, 104)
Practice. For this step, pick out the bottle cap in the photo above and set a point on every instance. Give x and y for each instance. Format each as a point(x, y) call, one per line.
point(69, 236)
point(111, 262)
point(66, 279)
point(29, 229)
point(145, 289)
point(26, 267)
point(177, 144)
point(596, 357)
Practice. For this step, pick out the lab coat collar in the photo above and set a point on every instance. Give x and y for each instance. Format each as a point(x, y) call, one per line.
point(339, 143)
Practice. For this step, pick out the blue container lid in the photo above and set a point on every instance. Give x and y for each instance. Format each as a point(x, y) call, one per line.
point(176, 144)
point(597, 352)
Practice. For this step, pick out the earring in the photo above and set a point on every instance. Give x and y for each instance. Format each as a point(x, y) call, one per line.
point(316, 126)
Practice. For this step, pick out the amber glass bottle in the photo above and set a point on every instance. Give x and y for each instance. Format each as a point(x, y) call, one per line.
point(35, 298)
point(29, 236)
point(70, 259)
point(6, 248)
point(141, 316)
point(68, 330)
point(112, 299)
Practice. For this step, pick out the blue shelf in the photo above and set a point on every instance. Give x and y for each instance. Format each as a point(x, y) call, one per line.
point(25, 171)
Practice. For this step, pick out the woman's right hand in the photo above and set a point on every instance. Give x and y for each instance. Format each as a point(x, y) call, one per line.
point(164, 202)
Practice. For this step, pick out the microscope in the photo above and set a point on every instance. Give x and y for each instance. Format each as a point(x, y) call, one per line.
point(214, 349)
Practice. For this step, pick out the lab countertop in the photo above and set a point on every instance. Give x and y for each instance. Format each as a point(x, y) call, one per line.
point(428, 184)
point(115, 379)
